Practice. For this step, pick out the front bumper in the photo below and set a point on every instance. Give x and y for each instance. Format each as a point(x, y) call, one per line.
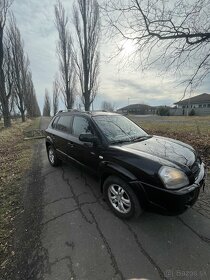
point(175, 201)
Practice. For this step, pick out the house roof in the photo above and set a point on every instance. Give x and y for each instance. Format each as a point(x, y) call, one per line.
point(136, 106)
point(202, 98)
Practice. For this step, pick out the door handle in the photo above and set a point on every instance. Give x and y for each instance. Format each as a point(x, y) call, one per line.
point(71, 145)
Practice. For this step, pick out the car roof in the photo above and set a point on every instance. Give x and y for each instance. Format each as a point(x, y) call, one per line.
point(85, 113)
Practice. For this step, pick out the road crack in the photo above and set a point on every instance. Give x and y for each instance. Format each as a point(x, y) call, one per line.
point(145, 253)
point(70, 266)
point(56, 200)
point(69, 212)
point(98, 198)
point(59, 216)
point(112, 257)
point(203, 238)
point(75, 197)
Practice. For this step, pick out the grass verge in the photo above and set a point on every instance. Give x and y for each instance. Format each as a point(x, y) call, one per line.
point(16, 158)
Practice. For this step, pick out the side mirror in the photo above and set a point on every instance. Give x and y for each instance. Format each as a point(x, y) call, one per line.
point(90, 138)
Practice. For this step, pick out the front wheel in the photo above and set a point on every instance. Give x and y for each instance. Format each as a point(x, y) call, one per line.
point(121, 198)
point(52, 157)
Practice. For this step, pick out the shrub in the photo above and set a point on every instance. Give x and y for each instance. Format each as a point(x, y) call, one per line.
point(163, 111)
point(192, 112)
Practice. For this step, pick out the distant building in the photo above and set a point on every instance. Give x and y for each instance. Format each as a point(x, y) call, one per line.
point(200, 104)
point(137, 109)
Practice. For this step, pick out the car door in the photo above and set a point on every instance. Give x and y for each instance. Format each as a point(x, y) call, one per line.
point(51, 131)
point(86, 153)
point(62, 135)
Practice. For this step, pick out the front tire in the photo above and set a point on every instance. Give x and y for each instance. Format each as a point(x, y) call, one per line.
point(52, 157)
point(121, 198)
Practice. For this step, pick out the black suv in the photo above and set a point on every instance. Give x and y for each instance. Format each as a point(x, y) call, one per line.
point(136, 170)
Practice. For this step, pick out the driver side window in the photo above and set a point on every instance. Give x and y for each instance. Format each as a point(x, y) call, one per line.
point(81, 125)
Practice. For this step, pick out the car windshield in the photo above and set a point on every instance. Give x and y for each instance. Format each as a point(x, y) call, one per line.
point(118, 128)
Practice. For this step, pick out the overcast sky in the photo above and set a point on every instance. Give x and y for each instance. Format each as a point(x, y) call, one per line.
point(120, 83)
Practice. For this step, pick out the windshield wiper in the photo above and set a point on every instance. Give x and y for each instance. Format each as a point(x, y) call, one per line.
point(120, 141)
point(137, 139)
point(141, 138)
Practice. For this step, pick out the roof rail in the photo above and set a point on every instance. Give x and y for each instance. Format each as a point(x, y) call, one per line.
point(68, 110)
point(97, 111)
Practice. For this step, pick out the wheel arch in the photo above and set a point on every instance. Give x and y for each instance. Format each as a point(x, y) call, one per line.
point(128, 177)
point(111, 169)
point(49, 142)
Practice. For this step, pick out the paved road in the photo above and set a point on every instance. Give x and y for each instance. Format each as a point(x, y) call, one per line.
point(82, 239)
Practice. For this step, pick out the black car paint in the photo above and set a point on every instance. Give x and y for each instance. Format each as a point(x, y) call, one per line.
point(137, 163)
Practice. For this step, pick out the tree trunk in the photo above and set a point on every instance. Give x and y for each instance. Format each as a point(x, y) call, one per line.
point(4, 103)
point(3, 96)
point(87, 102)
point(6, 115)
point(23, 117)
point(85, 63)
point(68, 100)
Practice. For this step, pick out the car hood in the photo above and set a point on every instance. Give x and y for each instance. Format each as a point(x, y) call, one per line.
point(163, 148)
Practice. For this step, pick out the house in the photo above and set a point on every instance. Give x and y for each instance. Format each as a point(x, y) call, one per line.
point(200, 104)
point(137, 109)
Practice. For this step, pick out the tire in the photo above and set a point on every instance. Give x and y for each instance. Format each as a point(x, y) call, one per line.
point(52, 157)
point(121, 198)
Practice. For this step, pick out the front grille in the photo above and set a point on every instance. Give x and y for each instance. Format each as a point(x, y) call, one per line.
point(195, 168)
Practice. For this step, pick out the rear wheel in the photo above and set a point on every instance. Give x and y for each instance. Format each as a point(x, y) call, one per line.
point(121, 198)
point(52, 157)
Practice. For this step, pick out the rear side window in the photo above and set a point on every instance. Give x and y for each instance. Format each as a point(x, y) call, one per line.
point(64, 124)
point(81, 125)
point(53, 125)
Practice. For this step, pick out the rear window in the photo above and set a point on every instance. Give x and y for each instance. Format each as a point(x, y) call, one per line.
point(64, 124)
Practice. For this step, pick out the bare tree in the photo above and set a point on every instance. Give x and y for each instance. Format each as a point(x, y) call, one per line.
point(174, 34)
point(0, 111)
point(21, 66)
point(87, 26)
point(4, 96)
point(55, 96)
point(107, 106)
point(8, 67)
point(47, 104)
point(65, 54)
point(35, 109)
point(37, 112)
point(30, 99)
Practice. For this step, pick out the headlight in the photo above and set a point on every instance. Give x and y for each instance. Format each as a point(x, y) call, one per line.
point(173, 178)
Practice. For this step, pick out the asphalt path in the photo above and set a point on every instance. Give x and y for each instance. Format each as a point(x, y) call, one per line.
point(83, 239)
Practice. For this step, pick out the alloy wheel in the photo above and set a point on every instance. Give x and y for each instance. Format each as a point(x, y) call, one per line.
point(119, 198)
point(51, 156)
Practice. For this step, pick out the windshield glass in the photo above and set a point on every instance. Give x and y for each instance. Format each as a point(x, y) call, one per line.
point(118, 128)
